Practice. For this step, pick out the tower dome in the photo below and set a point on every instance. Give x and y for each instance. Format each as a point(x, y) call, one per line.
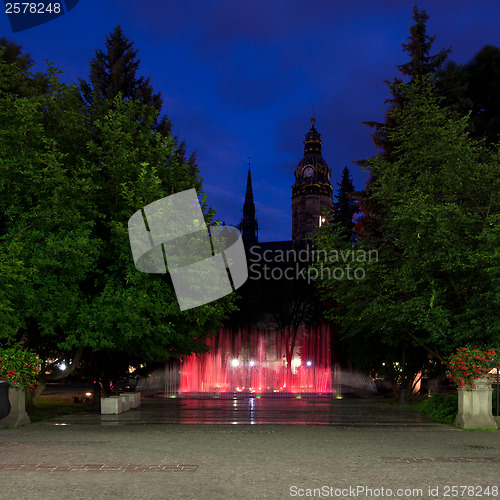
point(312, 191)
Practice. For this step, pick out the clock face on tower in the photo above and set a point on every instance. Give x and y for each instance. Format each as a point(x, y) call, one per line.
point(308, 172)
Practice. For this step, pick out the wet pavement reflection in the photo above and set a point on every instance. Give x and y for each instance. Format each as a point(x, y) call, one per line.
point(348, 412)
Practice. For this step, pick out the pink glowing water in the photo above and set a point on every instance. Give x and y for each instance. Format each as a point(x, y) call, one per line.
point(258, 362)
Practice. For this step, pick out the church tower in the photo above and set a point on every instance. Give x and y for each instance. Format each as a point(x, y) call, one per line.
point(312, 191)
point(248, 225)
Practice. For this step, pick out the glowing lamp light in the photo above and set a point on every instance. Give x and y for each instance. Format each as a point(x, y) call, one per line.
point(62, 366)
point(88, 394)
point(252, 362)
point(309, 363)
point(235, 362)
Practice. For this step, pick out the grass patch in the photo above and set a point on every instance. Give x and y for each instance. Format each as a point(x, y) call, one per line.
point(54, 407)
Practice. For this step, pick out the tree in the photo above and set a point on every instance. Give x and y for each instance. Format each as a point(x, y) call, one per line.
point(345, 207)
point(370, 224)
point(17, 66)
point(433, 285)
point(114, 72)
point(484, 92)
point(421, 63)
point(70, 286)
point(12, 54)
point(442, 202)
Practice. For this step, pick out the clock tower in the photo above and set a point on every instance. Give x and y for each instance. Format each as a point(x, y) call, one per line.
point(312, 191)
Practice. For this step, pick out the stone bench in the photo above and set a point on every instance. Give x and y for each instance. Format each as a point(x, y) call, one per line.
point(134, 398)
point(114, 405)
point(111, 405)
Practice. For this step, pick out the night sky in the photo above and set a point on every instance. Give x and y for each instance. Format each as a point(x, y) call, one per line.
point(239, 79)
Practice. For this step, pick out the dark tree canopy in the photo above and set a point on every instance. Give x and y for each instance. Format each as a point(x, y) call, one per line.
point(17, 79)
point(483, 77)
point(13, 54)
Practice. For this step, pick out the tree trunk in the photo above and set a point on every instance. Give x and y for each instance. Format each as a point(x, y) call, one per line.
point(70, 368)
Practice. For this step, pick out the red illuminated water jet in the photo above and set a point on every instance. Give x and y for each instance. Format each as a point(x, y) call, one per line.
point(256, 361)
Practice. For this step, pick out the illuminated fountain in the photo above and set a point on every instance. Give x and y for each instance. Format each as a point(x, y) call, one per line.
point(254, 362)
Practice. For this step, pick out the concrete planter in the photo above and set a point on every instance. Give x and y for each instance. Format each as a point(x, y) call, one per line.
point(134, 398)
point(4, 399)
point(17, 415)
point(125, 402)
point(111, 405)
point(474, 406)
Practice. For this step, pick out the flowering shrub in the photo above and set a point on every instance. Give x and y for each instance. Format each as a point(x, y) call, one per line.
point(20, 367)
point(470, 363)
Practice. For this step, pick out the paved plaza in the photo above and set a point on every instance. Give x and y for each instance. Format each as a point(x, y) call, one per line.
point(242, 449)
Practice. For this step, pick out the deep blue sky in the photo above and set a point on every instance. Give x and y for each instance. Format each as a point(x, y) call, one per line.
point(239, 78)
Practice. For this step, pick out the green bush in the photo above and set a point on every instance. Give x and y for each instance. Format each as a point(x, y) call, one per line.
point(439, 407)
point(444, 407)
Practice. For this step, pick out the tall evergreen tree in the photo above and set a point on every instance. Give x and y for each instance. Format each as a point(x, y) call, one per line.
point(345, 207)
point(421, 64)
point(421, 67)
point(114, 71)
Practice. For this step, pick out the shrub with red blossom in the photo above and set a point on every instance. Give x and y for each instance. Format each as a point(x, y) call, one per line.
point(20, 367)
point(470, 363)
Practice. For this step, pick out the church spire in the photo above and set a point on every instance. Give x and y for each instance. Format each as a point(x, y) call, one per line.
point(248, 225)
point(249, 192)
